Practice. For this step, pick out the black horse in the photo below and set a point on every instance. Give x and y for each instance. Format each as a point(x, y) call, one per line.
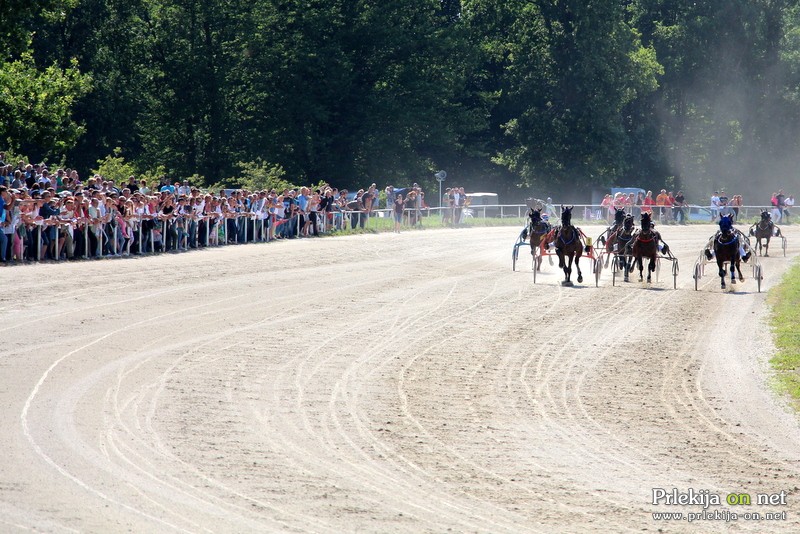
point(569, 245)
point(764, 229)
point(727, 247)
point(645, 245)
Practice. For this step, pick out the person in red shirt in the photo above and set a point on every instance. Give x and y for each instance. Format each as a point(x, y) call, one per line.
point(647, 205)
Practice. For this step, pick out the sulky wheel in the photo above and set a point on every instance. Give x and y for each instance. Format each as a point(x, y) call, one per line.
point(675, 271)
point(598, 268)
point(614, 270)
point(697, 274)
point(759, 277)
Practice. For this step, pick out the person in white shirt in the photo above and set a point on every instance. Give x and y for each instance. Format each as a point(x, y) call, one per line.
point(788, 203)
point(714, 206)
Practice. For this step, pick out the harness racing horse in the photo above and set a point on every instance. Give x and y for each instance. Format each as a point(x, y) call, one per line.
point(537, 231)
point(608, 237)
point(764, 229)
point(726, 249)
point(620, 243)
point(645, 245)
point(569, 245)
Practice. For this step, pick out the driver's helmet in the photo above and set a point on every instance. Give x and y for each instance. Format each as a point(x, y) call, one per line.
point(545, 217)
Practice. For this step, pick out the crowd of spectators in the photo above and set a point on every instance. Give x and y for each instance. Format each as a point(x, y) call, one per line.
point(668, 207)
point(57, 215)
point(672, 208)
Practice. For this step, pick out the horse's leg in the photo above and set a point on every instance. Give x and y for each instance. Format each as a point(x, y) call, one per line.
point(630, 262)
point(739, 268)
point(578, 267)
point(766, 247)
point(560, 253)
point(568, 267)
point(625, 264)
point(722, 272)
point(651, 267)
point(733, 271)
point(640, 266)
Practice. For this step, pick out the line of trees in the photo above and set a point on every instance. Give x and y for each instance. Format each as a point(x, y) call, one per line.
point(550, 96)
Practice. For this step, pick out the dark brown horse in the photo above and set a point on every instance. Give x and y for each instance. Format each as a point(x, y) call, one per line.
point(537, 231)
point(645, 245)
point(569, 245)
point(727, 249)
point(764, 229)
point(608, 237)
point(620, 244)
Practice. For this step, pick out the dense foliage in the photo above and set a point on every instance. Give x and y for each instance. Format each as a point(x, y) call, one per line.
point(512, 96)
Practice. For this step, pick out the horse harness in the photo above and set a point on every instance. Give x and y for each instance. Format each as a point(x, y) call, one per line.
point(733, 238)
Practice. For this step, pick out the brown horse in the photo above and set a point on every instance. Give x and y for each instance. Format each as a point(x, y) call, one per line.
point(645, 245)
point(569, 245)
point(537, 231)
point(764, 229)
point(609, 236)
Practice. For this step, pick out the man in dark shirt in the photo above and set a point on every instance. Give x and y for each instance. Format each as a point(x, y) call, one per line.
point(132, 185)
point(678, 214)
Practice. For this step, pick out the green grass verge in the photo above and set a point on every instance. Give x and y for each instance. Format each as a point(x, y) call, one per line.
point(785, 318)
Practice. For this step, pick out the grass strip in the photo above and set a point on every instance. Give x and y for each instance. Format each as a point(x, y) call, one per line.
point(785, 322)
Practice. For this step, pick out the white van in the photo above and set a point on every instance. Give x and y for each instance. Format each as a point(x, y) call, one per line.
point(478, 200)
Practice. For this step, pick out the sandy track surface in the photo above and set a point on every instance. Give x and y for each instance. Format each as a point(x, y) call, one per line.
point(392, 383)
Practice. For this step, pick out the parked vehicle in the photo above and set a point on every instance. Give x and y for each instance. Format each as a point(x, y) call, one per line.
point(483, 204)
point(698, 213)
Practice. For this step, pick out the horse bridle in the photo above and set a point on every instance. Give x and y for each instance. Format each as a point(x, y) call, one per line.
point(722, 234)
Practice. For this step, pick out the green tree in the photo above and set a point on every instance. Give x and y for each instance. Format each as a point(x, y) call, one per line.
point(36, 106)
point(114, 167)
point(569, 71)
point(724, 106)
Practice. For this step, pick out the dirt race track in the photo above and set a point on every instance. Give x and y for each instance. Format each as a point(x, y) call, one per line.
point(385, 383)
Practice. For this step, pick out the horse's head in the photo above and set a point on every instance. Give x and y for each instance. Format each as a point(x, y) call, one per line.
point(536, 216)
point(566, 215)
point(627, 224)
point(646, 222)
point(619, 216)
point(765, 216)
point(726, 224)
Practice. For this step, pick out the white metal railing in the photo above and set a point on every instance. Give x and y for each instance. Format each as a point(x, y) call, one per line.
point(57, 239)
